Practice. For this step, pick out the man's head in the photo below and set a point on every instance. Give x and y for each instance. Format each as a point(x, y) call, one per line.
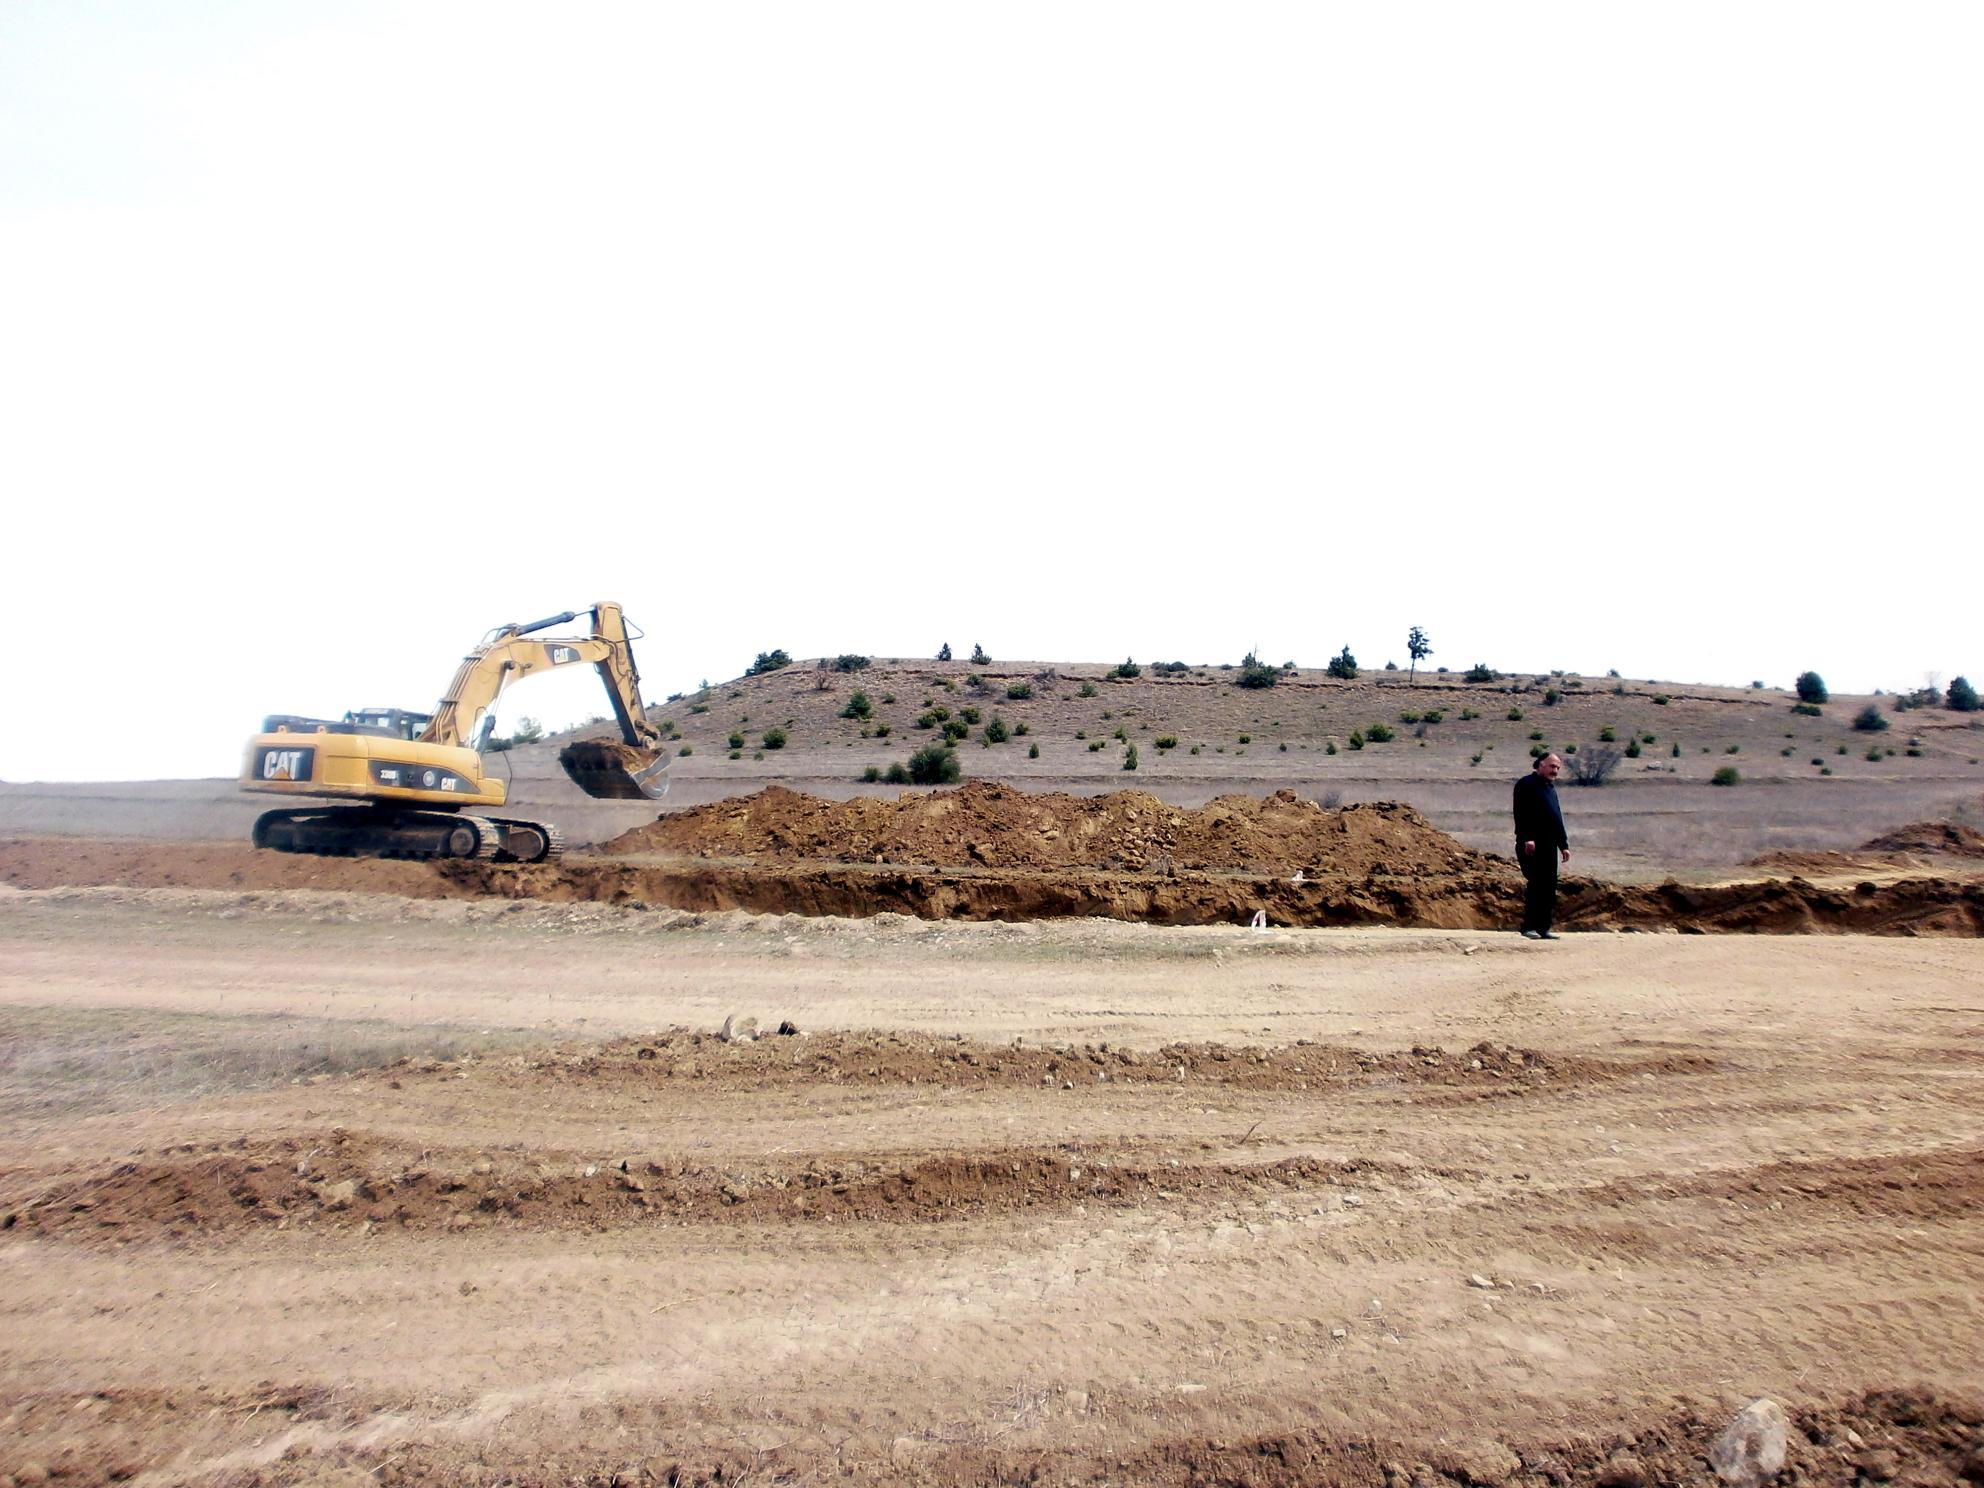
point(1549, 767)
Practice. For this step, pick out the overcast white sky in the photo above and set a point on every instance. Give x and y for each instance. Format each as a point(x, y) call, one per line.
point(1581, 335)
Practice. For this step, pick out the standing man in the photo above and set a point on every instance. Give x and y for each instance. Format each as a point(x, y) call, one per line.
point(1540, 842)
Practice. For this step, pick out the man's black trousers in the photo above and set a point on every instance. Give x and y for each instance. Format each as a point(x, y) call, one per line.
point(1539, 900)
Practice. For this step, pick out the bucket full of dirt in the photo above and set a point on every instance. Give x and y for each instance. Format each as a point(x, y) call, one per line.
point(615, 772)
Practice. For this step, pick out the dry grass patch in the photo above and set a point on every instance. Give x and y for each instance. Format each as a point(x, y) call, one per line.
point(75, 1061)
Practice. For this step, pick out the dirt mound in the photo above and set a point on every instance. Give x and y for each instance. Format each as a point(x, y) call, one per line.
point(989, 825)
point(1904, 847)
point(1914, 1436)
point(1949, 839)
point(339, 1181)
point(707, 1062)
point(341, 1178)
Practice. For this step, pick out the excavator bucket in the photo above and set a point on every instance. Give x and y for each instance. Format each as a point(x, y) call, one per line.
point(614, 771)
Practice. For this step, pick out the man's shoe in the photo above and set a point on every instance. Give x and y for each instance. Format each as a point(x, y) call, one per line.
point(1532, 935)
point(1548, 935)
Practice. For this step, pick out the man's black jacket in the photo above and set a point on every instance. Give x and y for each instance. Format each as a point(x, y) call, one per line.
point(1538, 817)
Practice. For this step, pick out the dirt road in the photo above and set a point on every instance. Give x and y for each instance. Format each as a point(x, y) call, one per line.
point(1072, 1201)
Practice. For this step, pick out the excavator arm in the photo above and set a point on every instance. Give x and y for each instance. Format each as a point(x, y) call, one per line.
point(632, 769)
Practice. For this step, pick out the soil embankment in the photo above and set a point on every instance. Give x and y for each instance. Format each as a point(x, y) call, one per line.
point(990, 852)
point(988, 825)
point(1485, 900)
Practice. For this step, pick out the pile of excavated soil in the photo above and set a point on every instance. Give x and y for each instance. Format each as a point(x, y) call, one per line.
point(985, 824)
point(1948, 839)
point(1904, 847)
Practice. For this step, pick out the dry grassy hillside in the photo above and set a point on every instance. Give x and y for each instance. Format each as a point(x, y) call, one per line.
point(1219, 725)
point(1806, 782)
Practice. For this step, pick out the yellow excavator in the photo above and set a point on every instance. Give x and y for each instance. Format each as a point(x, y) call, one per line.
point(418, 777)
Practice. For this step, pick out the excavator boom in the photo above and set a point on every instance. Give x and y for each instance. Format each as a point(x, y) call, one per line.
point(632, 770)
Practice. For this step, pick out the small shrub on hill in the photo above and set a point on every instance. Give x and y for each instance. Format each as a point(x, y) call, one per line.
point(1127, 670)
point(1727, 775)
point(1017, 690)
point(1482, 672)
point(773, 738)
point(1811, 688)
point(1254, 674)
point(858, 706)
point(1870, 720)
point(768, 661)
point(849, 661)
point(1962, 697)
point(1343, 666)
point(935, 764)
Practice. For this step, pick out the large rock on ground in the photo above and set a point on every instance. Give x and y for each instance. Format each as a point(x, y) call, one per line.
point(1751, 1450)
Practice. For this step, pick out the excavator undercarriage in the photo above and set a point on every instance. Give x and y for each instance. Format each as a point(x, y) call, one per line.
point(382, 832)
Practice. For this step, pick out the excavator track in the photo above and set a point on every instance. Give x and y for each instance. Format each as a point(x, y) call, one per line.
point(370, 832)
point(527, 841)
